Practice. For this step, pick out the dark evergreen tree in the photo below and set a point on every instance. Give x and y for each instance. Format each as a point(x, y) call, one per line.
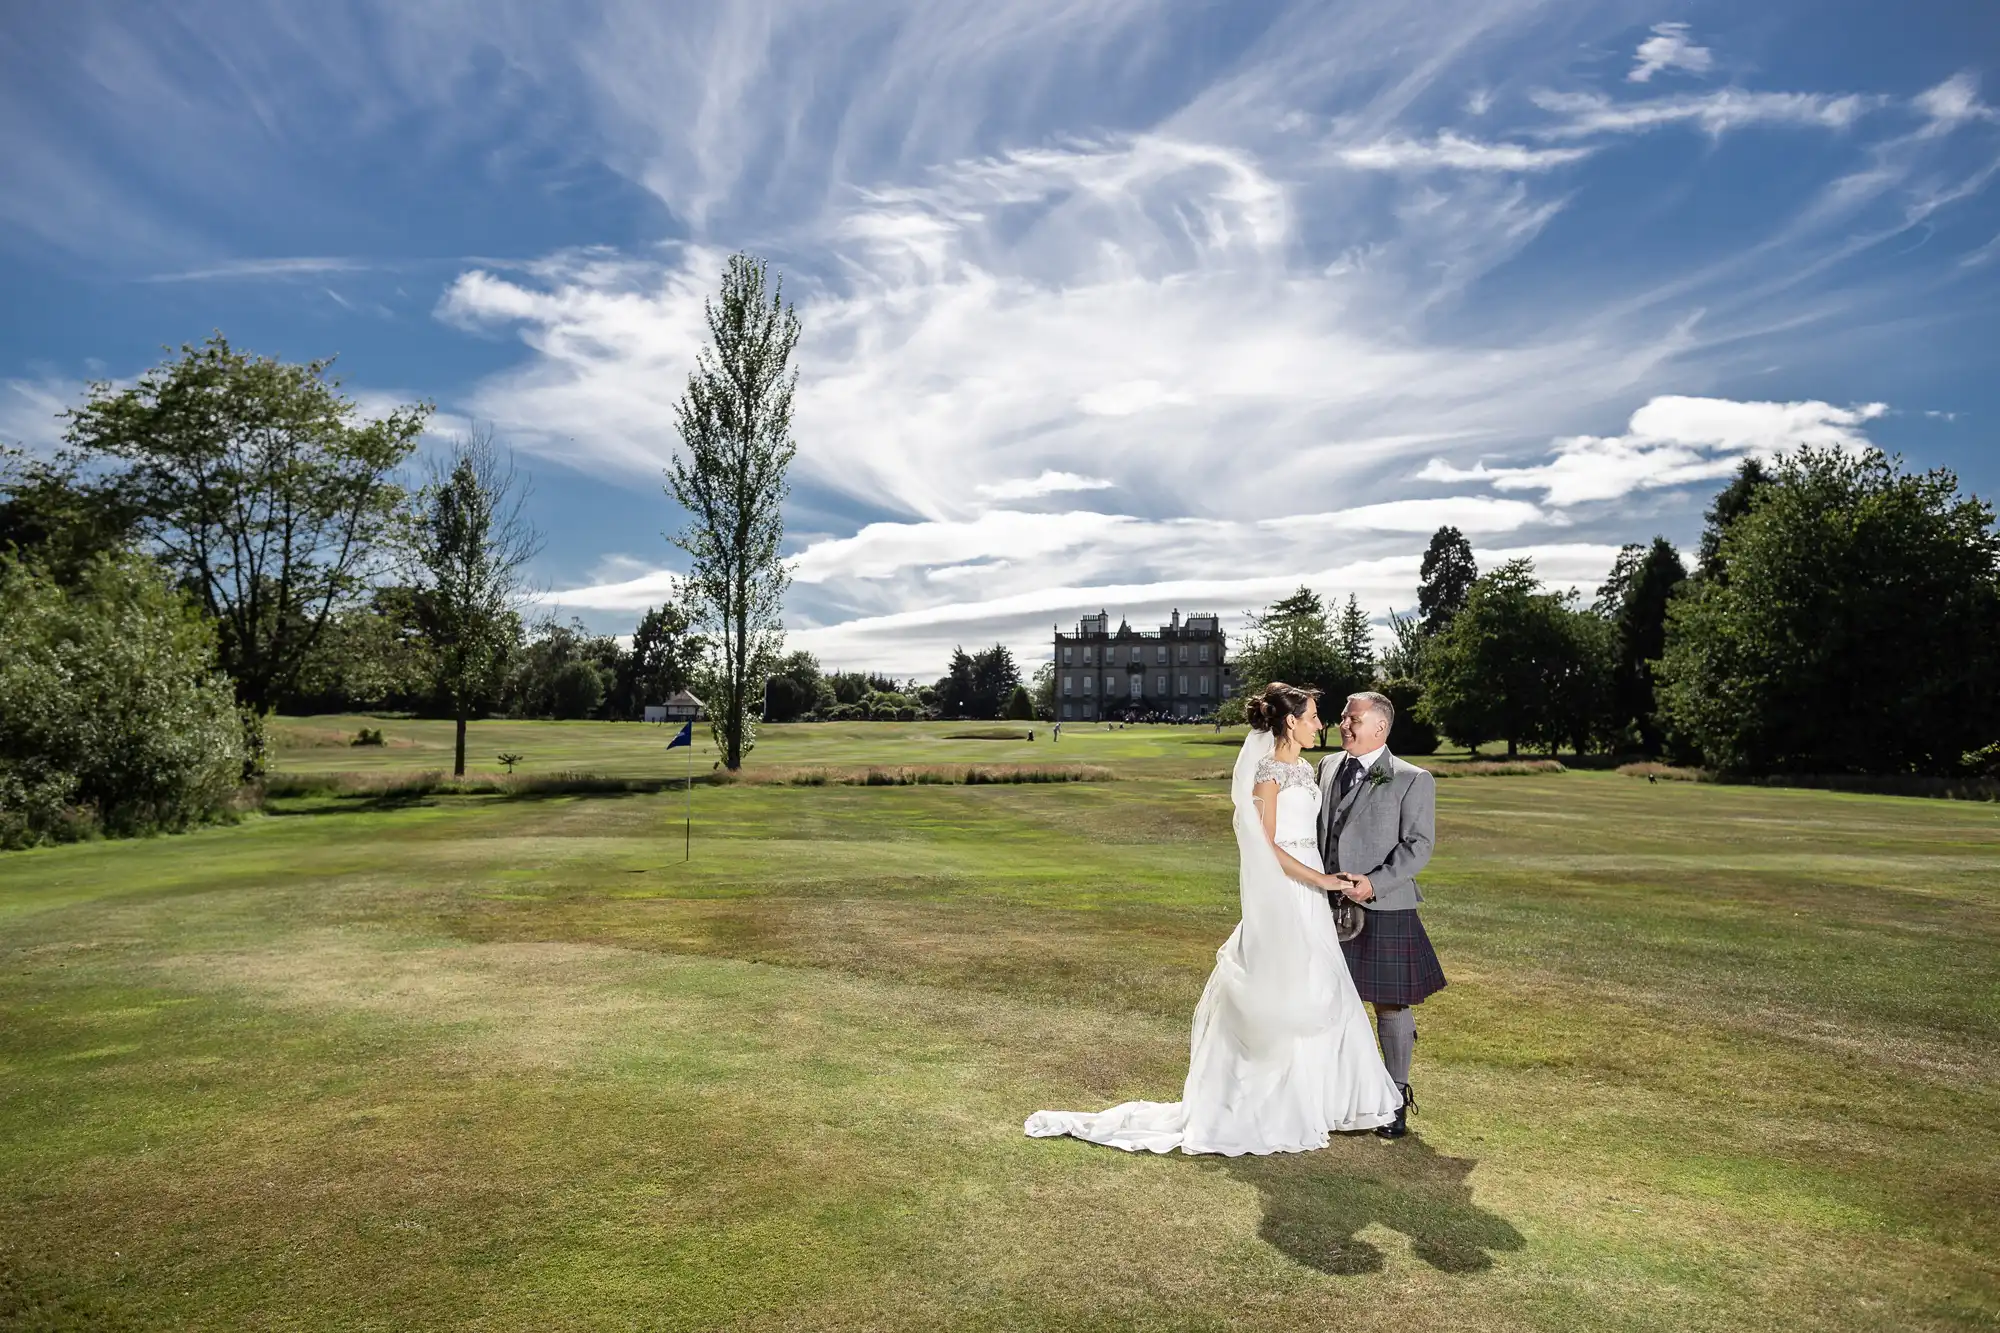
point(1634, 602)
point(1731, 503)
point(1445, 578)
point(1354, 640)
point(994, 676)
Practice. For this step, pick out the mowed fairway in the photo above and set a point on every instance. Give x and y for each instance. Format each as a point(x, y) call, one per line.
point(1711, 1058)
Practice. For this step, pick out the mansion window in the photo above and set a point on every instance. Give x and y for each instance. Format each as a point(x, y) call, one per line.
point(1162, 650)
point(1161, 687)
point(1204, 679)
point(1138, 686)
point(1183, 678)
point(1089, 683)
point(1065, 710)
point(1204, 657)
point(1068, 683)
point(1067, 651)
point(1086, 655)
point(1184, 658)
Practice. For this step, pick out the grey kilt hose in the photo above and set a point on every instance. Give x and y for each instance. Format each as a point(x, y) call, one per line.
point(1383, 827)
point(1392, 961)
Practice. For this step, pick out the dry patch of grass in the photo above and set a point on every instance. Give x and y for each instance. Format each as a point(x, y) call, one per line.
point(1494, 768)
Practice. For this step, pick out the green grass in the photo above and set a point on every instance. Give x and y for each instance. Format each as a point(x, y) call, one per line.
point(1711, 1058)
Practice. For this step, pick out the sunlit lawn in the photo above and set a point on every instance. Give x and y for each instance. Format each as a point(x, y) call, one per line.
point(1712, 1058)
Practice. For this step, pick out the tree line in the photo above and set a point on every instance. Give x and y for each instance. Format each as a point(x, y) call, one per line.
point(230, 536)
point(982, 685)
point(1842, 617)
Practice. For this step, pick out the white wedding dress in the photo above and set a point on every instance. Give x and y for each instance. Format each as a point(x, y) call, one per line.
point(1283, 1053)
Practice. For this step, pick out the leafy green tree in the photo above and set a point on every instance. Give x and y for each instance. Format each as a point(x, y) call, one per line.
point(1579, 676)
point(1445, 579)
point(1403, 659)
point(1494, 668)
point(735, 423)
point(54, 513)
point(112, 713)
point(1857, 628)
point(260, 488)
point(576, 690)
point(1043, 688)
point(1633, 601)
point(793, 689)
point(1292, 640)
point(550, 650)
point(667, 651)
point(371, 656)
point(471, 543)
point(1021, 705)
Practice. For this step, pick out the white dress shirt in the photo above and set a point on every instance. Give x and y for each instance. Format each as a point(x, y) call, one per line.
point(1367, 761)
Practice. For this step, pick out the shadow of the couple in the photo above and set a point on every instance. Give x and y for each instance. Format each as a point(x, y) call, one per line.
point(1316, 1204)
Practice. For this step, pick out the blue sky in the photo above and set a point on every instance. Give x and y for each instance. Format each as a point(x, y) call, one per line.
point(1125, 304)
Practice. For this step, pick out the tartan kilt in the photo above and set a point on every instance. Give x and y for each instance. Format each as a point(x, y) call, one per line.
point(1392, 961)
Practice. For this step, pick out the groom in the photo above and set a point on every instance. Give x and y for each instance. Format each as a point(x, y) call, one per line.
point(1375, 833)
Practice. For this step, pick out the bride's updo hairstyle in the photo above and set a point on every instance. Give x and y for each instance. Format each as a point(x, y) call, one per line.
point(1279, 703)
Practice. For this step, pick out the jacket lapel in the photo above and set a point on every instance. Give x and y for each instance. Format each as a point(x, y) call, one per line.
point(1361, 785)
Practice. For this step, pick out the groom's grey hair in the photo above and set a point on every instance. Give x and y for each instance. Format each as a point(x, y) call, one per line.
point(1379, 702)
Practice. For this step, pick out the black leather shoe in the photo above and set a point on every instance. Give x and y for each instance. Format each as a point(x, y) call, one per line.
point(1400, 1126)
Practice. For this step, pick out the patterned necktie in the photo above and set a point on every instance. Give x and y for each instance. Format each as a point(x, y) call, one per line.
point(1344, 780)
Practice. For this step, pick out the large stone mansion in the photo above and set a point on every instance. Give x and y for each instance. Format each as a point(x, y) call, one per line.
point(1177, 670)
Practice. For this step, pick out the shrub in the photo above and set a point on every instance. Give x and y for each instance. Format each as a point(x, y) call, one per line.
point(112, 712)
point(368, 736)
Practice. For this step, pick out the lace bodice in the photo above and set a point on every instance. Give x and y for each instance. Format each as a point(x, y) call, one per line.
point(1298, 803)
point(1296, 774)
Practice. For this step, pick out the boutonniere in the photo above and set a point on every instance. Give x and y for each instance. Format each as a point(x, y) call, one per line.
point(1379, 777)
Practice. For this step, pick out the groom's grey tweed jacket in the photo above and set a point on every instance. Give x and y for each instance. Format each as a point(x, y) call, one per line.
point(1383, 830)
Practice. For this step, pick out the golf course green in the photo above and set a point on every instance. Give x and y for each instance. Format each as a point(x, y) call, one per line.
point(1711, 1057)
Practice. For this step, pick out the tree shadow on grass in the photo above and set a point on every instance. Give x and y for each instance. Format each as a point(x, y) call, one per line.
point(1316, 1204)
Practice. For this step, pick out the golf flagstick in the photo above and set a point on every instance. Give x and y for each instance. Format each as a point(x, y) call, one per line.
point(685, 736)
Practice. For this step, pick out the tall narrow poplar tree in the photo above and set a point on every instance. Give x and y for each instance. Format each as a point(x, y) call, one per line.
point(735, 423)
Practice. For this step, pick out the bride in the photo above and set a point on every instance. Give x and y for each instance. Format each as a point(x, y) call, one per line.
point(1283, 1053)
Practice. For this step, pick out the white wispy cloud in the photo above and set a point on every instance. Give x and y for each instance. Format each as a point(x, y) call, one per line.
point(1954, 102)
point(1450, 151)
point(292, 266)
point(1669, 48)
point(1715, 113)
point(1049, 483)
point(1672, 441)
point(31, 411)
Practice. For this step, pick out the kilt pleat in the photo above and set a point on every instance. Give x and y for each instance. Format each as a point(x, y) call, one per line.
point(1392, 960)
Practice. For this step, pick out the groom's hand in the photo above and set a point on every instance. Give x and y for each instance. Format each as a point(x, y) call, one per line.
point(1358, 887)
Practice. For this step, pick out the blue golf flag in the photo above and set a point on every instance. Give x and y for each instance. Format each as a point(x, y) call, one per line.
point(684, 737)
